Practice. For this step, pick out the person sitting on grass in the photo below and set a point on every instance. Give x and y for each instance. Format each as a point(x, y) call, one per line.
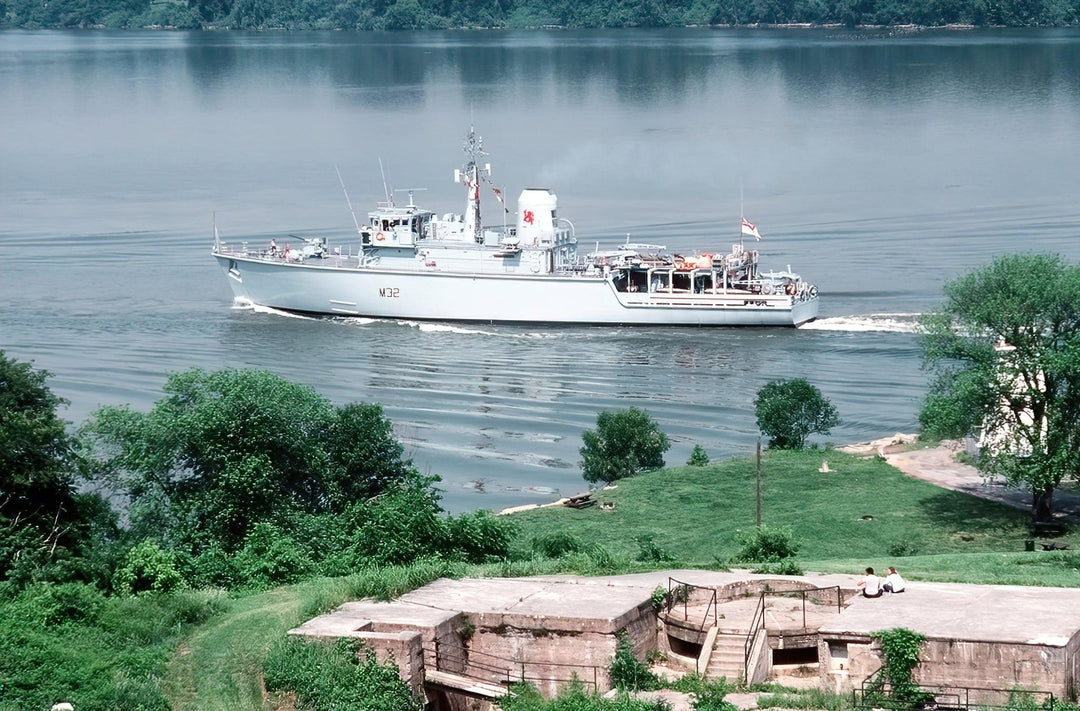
point(870, 584)
point(893, 582)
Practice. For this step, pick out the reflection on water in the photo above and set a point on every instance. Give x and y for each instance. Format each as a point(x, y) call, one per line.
point(878, 166)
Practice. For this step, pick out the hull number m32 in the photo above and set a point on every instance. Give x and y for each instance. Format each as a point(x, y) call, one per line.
point(390, 292)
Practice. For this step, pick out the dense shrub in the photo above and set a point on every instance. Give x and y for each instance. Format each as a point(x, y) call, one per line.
point(336, 676)
point(629, 673)
point(766, 544)
point(557, 544)
point(147, 568)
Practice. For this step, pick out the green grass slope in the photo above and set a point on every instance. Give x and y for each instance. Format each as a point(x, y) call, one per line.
point(864, 509)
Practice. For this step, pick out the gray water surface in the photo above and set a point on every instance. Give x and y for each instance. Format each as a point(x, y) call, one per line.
point(877, 165)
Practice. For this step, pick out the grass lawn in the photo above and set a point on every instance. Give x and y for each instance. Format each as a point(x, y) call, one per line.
point(865, 510)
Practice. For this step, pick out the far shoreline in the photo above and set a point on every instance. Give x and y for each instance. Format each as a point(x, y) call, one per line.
point(897, 29)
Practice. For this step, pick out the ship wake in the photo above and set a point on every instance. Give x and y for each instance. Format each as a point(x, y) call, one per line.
point(881, 323)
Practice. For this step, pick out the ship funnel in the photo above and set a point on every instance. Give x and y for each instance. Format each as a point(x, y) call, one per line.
point(536, 215)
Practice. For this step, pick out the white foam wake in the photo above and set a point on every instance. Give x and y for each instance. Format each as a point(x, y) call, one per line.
point(882, 323)
point(431, 327)
point(243, 304)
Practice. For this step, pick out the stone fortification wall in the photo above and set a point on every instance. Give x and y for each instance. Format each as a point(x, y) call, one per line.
point(995, 665)
point(848, 660)
point(551, 651)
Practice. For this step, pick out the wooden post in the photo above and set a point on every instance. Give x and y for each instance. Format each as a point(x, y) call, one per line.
point(759, 481)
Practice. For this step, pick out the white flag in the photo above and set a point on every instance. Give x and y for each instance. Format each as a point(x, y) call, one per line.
point(749, 229)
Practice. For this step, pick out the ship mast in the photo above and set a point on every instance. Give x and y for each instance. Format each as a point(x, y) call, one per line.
point(471, 174)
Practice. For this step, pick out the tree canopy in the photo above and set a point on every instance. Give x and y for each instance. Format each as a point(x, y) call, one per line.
point(225, 450)
point(1005, 351)
point(789, 411)
point(443, 14)
point(623, 444)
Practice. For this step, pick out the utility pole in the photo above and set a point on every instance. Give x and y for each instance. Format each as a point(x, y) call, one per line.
point(759, 481)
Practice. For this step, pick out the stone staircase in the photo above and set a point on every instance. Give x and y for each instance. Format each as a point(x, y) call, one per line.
point(728, 656)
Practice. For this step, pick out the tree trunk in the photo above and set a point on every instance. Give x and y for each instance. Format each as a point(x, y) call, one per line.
point(1042, 501)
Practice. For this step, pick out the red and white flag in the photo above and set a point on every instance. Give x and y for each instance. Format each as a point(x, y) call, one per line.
point(748, 228)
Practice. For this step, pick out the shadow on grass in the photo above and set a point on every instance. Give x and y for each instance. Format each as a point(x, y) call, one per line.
point(969, 520)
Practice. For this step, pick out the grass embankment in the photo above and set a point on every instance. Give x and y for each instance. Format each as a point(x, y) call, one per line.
point(865, 512)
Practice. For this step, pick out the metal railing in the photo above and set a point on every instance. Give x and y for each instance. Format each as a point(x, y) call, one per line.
point(876, 693)
point(678, 589)
point(757, 623)
point(803, 593)
point(507, 671)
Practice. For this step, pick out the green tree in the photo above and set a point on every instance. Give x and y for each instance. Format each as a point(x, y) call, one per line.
point(36, 454)
point(43, 519)
point(789, 411)
point(623, 444)
point(1005, 350)
point(229, 449)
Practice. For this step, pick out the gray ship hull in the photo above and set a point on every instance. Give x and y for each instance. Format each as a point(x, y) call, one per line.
point(321, 287)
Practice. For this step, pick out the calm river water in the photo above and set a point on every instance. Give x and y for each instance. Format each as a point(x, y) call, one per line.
point(877, 165)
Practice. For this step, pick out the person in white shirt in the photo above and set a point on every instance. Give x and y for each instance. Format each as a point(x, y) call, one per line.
point(870, 584)
point(893, 582)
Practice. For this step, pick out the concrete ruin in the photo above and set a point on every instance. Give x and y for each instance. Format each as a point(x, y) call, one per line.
point(461, 643)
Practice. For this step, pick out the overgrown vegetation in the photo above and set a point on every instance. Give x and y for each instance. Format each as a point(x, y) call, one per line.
point(70, 642)
point(628, 673)
point(443, 14)
point(766, 544)
point(900, 655)
point(333, 676)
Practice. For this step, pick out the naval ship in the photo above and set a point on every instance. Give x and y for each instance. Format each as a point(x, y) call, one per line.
point(409, 263)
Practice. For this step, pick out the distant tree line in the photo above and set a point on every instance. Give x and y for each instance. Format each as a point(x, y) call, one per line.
point(445, 14)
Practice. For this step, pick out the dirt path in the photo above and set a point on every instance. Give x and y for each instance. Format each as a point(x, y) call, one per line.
point(938, 466)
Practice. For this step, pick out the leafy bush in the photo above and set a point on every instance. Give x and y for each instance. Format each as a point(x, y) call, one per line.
point(480, 536)
point(628, 673)
point(336, 676)
point(766, 544)
point(788, 411)
point(649, 551)
point(698, 458)
point(271, 557)
point(557, 544)
point(623, 444)
point(782, 567)
point(147, 568)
